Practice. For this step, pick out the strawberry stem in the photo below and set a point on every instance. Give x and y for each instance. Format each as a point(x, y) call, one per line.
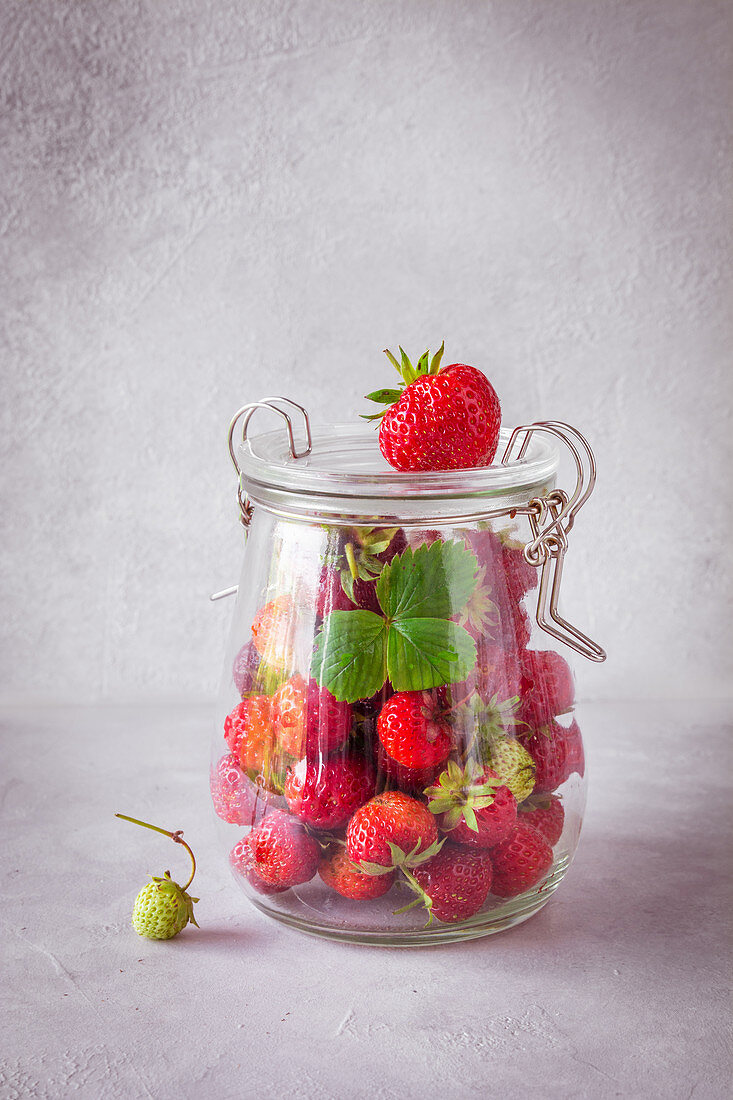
point(351, 559)
point(176, 836)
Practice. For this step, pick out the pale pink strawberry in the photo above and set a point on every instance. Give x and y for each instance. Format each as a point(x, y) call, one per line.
point(242, 861)
point(236, 798)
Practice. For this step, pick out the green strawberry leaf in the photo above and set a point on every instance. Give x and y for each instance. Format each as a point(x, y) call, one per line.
point(434, 581)
point(407, 370)
point(349, 654)
point(423, 364)
point(384, 397)
point(429, 652)
point(435, 364)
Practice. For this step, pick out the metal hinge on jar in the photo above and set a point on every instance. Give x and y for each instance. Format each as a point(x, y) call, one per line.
point(551, 517)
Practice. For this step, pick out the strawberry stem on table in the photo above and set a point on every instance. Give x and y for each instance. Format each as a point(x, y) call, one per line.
point(176, 836)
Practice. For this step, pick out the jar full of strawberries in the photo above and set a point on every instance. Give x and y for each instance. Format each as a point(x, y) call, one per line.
point(397, 756)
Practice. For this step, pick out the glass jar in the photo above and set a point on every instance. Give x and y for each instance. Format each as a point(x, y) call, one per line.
point(397, 758)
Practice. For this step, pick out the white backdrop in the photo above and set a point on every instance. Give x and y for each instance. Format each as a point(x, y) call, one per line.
point(205, 202)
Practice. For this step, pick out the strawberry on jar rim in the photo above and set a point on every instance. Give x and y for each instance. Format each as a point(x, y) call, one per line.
point(439, 418)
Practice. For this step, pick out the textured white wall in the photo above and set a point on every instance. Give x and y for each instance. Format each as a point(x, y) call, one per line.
point(204, 202)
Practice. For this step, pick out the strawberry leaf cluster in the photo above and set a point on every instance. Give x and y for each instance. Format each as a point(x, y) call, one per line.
point(413, 642)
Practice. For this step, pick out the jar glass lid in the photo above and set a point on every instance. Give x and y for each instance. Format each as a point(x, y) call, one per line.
point(345, 464)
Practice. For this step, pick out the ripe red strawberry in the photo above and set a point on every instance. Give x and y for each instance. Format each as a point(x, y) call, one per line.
point(456, 882)
point(391, 817)
point(496, 673)
point(309, 721)
point(413, 780)
point(472, 805)
point(545, 813)
point(575, 754)
point(546, 687)
point(520, 861)
point(521, 577)
point(343, 876)
point(236, 799)
point(325, 793)
point(284, 854)
point(242, 861)
point(248, 730)
point(413, 730)
point(549, 749)
point(439, 419)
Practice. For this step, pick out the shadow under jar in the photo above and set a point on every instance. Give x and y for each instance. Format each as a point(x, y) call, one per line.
point(397, 758)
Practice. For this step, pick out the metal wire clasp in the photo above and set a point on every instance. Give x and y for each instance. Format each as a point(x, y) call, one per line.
point(247, 411)
point(551, 518)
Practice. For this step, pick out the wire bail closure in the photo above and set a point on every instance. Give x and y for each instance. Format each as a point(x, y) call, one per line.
point(247, 411)
point(551, 518)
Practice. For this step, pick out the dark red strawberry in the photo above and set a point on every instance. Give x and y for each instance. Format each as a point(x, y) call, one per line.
point(548, 748)
point(325, 793)
point(575, 754)
point(438, 419)
point(413, 780)
point(245, 669)
point(472, 805)
point(242, 861)
point(284, 854)
point(456, 882)
point(236, 798)
point(521, 577)
point(496, 673)
point(545, 813)
point(390, 818)
point(520, 861)
point(413, 729)
point(547, 686)
point(343, 876)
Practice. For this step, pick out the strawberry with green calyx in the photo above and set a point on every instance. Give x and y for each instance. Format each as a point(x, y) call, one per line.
point(390, 829)
point(480, 616)
point(472, 804)
point(351, 881)
point(163, 908)
point(437, 418)
point(453, 885)
point(545, 813)
point(348, 580)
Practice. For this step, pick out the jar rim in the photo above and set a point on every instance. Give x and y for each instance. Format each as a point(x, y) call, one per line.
point(345, 463)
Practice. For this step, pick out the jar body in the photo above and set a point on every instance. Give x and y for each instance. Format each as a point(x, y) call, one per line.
point(397, 758)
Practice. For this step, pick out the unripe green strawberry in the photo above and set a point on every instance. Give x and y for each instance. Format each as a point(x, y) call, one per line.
point(514, 766)
point(162, 909)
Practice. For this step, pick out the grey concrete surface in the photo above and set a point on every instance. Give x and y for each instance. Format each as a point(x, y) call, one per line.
point(618, 988)
point(204, 202)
